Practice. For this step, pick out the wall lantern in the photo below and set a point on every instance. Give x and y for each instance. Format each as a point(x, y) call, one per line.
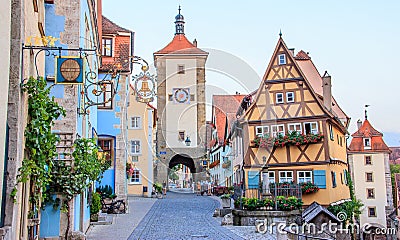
point(187, 141)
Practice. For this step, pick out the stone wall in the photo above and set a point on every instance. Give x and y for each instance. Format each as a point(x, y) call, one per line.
point(248, 218)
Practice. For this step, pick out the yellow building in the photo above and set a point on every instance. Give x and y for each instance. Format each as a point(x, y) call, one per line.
point(141, 147)
point(293, 125)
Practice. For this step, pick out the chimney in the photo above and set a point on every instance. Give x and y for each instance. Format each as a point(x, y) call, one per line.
point(195, 42)
point(327, 91)
point(292, 51)
point(359, 124)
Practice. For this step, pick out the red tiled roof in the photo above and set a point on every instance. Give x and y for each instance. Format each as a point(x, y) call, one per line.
point(302, 56)
point(367, 131)
point(224, 112)
point(180, 45)
point(314, 78)
point(110, 27)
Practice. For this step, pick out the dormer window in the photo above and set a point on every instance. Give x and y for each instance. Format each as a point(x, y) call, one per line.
point(282, 59)
point(367, 143)
point(107, 45)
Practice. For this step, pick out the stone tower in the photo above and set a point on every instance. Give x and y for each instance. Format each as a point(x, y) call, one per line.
point(181, 109)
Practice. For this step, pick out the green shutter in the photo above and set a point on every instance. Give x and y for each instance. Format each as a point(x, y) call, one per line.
point(320, 178)
point(253, 179)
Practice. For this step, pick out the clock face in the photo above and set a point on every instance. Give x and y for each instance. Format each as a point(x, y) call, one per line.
point(181, 95)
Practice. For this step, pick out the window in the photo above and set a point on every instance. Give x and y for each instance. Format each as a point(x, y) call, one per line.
point(370, 193)
point(333, 175)
point(304, 176)
point(331, 135)
point(285, 176)
point(106, 96)
point(271, 177)
point(290, 97)
point(368, 160)
point(181, 135)
point(277, 130)
point(135, 158)
point(294, 127)
point(279, 98)
point(135, 122)
point(311, 127)
point(181, 69)
point(135, 176)
point(369, 177)
point(135, 147)
point(367, 143)
point(107, 47)
point(282, 59)
point(371, 211)
point(262, 131)
point(345, 173)
point(107, 145)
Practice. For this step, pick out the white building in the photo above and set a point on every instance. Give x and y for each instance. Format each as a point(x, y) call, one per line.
point(369, 165)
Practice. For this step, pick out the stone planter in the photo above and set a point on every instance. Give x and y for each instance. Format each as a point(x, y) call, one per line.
point(248, 218)
point(226, 202)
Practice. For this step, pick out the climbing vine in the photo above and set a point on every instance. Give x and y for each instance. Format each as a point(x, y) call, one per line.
point(70, 178)
point(40, 142)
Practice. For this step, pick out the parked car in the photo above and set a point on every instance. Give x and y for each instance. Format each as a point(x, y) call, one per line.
point(172, 186)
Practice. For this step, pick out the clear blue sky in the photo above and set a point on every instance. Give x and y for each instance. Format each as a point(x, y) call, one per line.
point(357, 42)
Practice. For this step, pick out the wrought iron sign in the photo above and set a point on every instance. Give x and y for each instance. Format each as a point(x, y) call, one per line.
point(144, 82)
point(69, 70)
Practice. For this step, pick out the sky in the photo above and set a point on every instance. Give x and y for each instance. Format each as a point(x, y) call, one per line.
point(357, 42)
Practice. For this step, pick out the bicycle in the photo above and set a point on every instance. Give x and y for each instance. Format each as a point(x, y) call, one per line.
point(113, 207)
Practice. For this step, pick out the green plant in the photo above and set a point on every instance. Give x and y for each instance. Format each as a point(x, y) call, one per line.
point(72, 178)
point(158, 187)
point(40, 142)
point(308, 187)
point(288, 203)
point(225, 196)
point(105, 191)
point(268, 202)
point(95, 206)
point(252, 203)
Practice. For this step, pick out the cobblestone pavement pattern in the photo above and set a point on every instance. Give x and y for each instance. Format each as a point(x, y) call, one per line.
point(182, 216)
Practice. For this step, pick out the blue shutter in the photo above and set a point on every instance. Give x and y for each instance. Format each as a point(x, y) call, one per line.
point(320, 178)
point(253, 179)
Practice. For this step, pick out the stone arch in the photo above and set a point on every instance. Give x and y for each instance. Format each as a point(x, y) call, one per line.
point(182, 159)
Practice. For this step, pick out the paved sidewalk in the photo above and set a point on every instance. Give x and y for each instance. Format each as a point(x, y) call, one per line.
point(123, 224)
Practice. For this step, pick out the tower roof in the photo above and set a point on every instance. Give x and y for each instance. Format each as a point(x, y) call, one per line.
point(180, 44)
point(367, 131)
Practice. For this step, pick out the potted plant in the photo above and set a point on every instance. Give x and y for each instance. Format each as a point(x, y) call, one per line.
point(226, 200)
point(158, 189)
point(129, 171)
point(95, 207)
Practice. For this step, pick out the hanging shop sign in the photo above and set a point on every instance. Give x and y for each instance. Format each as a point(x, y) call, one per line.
point(69, 70)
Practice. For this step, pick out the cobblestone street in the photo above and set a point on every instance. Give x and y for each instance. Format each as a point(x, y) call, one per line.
point(182, 216)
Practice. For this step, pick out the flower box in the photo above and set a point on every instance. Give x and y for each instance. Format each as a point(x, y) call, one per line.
point(290, 139)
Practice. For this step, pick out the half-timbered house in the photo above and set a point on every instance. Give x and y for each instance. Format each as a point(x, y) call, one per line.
point(296, 128)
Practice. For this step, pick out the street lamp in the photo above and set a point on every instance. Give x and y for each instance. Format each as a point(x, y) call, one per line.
point(187, 141)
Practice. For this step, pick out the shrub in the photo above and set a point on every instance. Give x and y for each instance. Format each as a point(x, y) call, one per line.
point(95, 206)
point(105, 191)
point(288, 204)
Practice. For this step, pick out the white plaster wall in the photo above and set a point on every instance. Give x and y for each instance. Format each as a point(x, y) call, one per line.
point(181, 116)
point(379, 184)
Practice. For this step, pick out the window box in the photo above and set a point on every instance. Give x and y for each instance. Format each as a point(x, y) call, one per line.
point(308, 187)
point(293, 138)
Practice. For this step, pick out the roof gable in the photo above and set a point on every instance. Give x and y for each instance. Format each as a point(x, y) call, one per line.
point(109, 27)
point(367, 131)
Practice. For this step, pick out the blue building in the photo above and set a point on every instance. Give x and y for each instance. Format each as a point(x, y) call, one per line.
point(116, 49)
point(75, 26)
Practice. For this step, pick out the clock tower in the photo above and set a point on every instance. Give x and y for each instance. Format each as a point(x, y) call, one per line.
point(181, 109)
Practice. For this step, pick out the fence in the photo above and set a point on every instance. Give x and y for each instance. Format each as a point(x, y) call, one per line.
point(273, 191)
